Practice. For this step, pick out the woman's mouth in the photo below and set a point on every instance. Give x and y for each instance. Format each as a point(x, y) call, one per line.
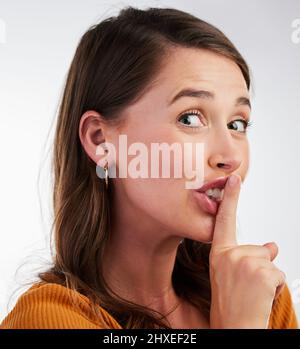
point(207, 203)
point(215, 194)
point(210, 195)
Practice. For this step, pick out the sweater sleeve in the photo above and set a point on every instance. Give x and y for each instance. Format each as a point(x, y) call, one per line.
point(51, 306)
point(283, 314)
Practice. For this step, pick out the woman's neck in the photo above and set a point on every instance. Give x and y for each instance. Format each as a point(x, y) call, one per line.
point(139, 266)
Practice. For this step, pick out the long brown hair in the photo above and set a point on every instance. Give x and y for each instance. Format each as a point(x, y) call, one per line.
point(114, 64)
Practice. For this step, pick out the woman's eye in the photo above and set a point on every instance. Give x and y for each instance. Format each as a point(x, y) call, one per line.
point(239, 125)
point(190, 119)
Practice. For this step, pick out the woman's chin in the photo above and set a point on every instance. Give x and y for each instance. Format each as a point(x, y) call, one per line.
point(203, 229)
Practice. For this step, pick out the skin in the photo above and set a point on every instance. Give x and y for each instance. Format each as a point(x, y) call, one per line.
point(152, 215)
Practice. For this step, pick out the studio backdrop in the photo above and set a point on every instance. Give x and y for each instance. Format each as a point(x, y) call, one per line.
point(37, 43)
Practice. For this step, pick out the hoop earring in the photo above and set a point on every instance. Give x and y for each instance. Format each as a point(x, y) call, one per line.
point(106, 174)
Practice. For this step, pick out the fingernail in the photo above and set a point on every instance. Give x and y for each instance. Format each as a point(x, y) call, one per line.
point(233, 180)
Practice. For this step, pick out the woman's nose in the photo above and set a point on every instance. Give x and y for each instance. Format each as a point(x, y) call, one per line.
point(228, 164)
point(225, 157)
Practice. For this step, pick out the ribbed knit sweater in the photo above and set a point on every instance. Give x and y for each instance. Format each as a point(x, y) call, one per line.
point(52, 306)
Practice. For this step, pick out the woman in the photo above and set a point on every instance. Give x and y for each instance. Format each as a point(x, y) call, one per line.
point(145, 252)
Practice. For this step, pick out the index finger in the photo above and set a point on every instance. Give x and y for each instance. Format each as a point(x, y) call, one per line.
point(225, 225)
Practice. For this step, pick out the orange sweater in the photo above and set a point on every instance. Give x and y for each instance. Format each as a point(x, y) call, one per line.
point(51, 306)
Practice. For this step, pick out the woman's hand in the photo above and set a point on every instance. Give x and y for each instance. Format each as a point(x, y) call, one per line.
point(244, 280)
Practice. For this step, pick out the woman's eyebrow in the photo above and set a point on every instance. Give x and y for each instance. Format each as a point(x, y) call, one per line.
point(189, 92)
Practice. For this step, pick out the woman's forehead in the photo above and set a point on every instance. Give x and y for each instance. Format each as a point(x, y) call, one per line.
point(192, 68)
point(200, 65)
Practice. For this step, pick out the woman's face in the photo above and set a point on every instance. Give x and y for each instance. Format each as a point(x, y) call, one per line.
point(166, 201)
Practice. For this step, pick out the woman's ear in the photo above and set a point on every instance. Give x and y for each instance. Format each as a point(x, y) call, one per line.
point(92, 131)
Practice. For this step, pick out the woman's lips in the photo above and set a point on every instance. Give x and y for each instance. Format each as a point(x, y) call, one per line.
point(206, 204)
point(216, 183)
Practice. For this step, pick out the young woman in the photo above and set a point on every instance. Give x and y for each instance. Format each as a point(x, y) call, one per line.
point(142, 251)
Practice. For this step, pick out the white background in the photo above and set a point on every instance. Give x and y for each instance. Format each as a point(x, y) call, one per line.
point(37, 43)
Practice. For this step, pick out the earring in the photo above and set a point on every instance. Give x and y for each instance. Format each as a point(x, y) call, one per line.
point(106, 174)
